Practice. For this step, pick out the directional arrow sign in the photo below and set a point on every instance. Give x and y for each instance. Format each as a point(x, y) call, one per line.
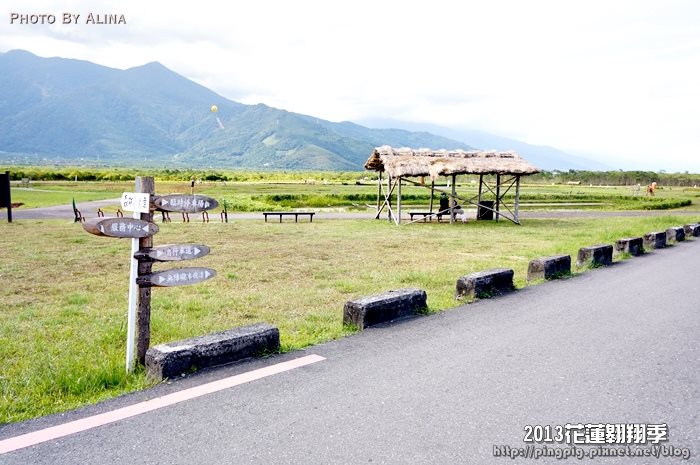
point(176, 277)
point(185, 203)
point(120, 227)
point(174, 252)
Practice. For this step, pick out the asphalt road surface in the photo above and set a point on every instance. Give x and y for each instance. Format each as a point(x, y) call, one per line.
point(614, 346)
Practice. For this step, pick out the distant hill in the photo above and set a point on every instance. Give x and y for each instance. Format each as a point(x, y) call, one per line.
point(66, 110)
point(544, 157)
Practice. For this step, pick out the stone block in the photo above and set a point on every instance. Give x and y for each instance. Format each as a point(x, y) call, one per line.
point(174, 358)
point(485, 283)
point(692, 230)
point(631, 245)
point(595, 255)
point(675, 234)
point(549, 267)
point(655, 240)
point(392, 305)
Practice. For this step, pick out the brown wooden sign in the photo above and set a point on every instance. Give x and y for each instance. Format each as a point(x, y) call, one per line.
point(173, 252)
point(120, 227)
point(185, 203)
point(176, 277)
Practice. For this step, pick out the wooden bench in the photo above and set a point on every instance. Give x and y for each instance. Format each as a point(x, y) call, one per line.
point(294, 214)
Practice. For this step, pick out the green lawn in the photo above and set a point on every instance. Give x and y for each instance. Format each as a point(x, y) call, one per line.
point(259, 196)
point(64, 293)
point(43, 198)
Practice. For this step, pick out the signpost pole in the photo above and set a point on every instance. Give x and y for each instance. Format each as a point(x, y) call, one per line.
point(141, 229)
point(133, 290)
point(145, 184)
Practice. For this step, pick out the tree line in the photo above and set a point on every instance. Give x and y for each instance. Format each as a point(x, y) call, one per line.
point(608, 178)
point(618, 178)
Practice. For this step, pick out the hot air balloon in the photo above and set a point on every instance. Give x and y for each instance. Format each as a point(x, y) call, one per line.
point(214, 109)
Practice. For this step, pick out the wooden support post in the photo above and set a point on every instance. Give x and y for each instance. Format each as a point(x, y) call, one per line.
point(498, 195)
point(432, 194)
point(379, 193)
point(478, 198)
point(517, 199)
point(398, 204)
point(453, 199)
point(144, 184)
point(388, 200)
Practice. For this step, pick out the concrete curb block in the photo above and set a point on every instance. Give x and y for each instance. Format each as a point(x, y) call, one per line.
point(485, 283)
point(174, 358)
point(392, 305)
point(675, 234)
point(692, 230)
point(631, 245)
point(552, 267)
point(655, 240)
point(595, 255)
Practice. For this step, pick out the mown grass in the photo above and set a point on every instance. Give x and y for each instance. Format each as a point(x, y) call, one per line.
point(43, 198)
point(259, 196)
point(64, 293)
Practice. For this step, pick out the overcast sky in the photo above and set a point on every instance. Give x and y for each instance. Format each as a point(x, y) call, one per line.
point(615, 79)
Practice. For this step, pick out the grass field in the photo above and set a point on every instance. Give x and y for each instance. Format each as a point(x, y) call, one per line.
point(64, 293)
point(259, 196)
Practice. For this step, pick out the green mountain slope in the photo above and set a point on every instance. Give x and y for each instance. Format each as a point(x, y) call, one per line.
point(68, 110)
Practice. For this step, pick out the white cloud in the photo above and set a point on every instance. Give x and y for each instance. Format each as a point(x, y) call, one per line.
point(613, 78)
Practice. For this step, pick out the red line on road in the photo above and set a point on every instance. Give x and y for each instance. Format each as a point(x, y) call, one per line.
point(59, 431)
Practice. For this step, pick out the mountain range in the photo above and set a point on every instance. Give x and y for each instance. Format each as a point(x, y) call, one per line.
point(71, 111)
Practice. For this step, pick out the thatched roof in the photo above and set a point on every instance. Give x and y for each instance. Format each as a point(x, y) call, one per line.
point(426, 162)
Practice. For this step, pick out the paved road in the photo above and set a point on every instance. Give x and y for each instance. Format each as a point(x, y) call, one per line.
point(89, 210)
point(613, 346)
point(61, 211)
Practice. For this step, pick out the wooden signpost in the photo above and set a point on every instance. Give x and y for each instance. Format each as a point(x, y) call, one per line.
point(120, 227)
point(174, 252)
point(141, 229)
point(185, 203)
point(176, 277)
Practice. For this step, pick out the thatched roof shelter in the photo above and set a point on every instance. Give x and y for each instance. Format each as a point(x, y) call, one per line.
point(434, 163)
point(401, 164)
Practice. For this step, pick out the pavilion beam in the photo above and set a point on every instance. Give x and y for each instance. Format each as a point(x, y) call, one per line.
point(489, 188)
point(432, 195)
point(481, 181)
point(390, 190)
point(453, 200)
point(512, 183)
point(398, 204)
point(478, 201)
point(379, 192)
point(516, 215)
point(386, 203)
point(470, 201)
point(498, 195)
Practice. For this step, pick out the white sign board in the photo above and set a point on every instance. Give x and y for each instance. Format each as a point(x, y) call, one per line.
point(136, 202)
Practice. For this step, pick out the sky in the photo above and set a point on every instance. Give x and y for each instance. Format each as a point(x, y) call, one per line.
point(614, 80)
